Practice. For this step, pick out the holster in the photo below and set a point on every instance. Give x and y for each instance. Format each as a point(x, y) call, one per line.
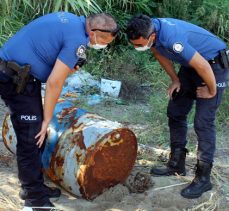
point(224, 56)
point(19, 74)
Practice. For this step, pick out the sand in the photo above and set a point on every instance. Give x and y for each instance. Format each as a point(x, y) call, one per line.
point(140, 192)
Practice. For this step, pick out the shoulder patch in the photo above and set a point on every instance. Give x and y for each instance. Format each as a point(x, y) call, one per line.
point(81, 51)
point(178, 47)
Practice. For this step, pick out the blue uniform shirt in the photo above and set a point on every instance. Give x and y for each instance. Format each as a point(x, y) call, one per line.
point(178, 40)
point(59, 35)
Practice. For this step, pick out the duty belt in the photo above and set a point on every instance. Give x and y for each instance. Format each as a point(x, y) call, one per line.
point(216, 60)
point(222, 59)
point(19, 74)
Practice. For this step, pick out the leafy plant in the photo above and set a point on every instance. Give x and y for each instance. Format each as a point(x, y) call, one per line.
point(15, 13)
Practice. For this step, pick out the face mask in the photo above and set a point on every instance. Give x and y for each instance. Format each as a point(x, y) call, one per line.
point(143, 48)
point(96, 45)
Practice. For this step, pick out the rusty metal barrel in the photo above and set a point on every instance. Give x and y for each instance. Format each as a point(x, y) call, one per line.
point(84, 153)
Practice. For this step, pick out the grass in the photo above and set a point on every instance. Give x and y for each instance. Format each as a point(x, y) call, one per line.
point(145, 70)
point(137, 71)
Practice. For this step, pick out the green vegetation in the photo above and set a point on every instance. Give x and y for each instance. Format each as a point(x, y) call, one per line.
point(120, 61)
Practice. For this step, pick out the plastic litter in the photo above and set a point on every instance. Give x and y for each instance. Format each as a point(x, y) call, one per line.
point(110, 88)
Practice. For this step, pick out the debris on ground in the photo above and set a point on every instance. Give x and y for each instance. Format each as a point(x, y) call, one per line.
point(82, 86)
point(139, 182)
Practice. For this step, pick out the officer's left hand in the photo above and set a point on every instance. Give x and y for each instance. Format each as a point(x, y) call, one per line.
point(41, 135)
point(174, 86)
point(203, 92)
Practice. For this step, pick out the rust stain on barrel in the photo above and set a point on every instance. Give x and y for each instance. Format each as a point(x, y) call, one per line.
point(65, 112)
point(5, 131)
point(51, 172)
point(5, 128)
point(94, 116)
point(107, 165)
point(52, 176)
point(59, 161)
point(73, 125)
point(78, 156)
point(80, 141)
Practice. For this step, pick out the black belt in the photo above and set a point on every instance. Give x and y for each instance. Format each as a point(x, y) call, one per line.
point(216, 60)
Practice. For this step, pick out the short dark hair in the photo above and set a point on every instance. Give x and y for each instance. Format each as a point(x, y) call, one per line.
point(139, 26)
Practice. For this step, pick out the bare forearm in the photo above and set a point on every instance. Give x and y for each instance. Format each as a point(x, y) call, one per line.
point(208, 77)
point(204, 70)
point(53, 88)
point(167, 65)
point(51, 96)
point(169, 68)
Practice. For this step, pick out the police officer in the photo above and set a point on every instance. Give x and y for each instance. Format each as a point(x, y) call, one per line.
point(46, 50)
point(202, 79)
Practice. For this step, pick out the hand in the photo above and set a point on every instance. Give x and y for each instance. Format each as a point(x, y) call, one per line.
point(203, 92)
point(74, 69)
point(77, 68)
point(175, 86)
point(41, 135)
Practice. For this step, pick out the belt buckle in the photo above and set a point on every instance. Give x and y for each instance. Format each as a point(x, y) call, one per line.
point(212, 61)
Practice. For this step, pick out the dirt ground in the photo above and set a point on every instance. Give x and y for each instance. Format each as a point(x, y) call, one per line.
point(163, 192)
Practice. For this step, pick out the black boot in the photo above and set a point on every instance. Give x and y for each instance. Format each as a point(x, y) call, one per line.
point(175, 165)
point(52, 192)
point(201, 183)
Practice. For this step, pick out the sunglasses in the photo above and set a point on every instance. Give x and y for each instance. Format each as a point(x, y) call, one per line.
point(113, 32)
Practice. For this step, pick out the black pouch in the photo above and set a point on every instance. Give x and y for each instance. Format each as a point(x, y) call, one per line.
point(80, 62)
point(224, 55)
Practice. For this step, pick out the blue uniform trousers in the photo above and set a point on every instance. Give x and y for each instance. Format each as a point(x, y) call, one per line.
point(26, 116)
point(205, 111)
